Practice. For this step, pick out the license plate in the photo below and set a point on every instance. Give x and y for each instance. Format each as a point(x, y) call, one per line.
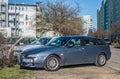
point(27, 60)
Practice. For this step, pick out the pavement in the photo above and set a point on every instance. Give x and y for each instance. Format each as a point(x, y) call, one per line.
point(114, 62)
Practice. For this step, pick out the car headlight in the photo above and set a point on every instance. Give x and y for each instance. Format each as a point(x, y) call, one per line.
point(33, 55)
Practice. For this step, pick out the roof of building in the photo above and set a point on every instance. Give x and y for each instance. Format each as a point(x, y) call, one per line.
point(22, 4)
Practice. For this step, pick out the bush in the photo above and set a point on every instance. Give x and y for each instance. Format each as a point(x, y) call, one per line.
point(7, 58)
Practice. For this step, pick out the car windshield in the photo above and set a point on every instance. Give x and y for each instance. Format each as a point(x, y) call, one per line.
point(58, 41)
point(41, 41)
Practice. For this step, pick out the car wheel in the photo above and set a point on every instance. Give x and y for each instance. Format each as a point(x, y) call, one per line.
point(52, 63)
point(101, 60)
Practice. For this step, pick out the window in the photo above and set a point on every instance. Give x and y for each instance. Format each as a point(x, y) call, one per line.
point(89, 41)
point(76, 41)
point(11, 8)
point(21, 23)
point(58, 41)
point(26, 23)
point(16, 8)
point(30, 23)
point(19, 8)
point(100, 42)
point(26, 8)
point(22, 8)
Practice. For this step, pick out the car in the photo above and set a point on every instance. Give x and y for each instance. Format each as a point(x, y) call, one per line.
point(66, 50)
point(107, 41)
point(41, 41)
point(36, 43)
point(20, 41)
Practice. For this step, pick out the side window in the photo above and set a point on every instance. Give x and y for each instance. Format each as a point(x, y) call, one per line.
point(76, 41)
point(89, 41)
point(100, 42)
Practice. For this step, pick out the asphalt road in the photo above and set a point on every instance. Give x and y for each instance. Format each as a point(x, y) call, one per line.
point(114, 62)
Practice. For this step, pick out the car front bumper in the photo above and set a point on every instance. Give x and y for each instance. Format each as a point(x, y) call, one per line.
point(32, 62)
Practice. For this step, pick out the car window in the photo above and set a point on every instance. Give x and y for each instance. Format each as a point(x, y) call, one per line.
point(41, 41)
point(100, 42)
point(76, 41)
point(25, 41)
point(58, 41)
point(89, 41)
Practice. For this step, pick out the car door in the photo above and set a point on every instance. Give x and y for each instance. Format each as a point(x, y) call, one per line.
point(75, 54)
point(91, 49)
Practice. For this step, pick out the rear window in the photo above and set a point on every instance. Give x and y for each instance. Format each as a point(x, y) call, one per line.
point(100, 42)
point(89, 41)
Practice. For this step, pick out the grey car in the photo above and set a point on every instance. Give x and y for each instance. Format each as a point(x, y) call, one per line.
point(36, 43)
point(66, 50)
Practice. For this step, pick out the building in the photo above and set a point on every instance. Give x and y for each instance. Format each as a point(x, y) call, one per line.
point(87, 23)
point(3, 13)
point(108, 14)
point(116, 11)
point(18, 19)
point(25, 15)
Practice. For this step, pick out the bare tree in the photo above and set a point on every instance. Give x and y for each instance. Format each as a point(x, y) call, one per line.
point(61, 18)
point(115, 31)
point(101, 33)
point(2, 38)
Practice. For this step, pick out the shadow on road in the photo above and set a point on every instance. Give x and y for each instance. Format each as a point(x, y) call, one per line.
point(63, 67)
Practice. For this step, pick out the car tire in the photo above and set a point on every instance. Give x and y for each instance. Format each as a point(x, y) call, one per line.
point(101, 60)
point(52, 63)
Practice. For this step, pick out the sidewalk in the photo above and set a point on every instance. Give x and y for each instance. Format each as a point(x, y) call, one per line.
point(114, 62)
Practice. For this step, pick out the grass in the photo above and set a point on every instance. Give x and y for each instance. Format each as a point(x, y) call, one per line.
point(12, 73)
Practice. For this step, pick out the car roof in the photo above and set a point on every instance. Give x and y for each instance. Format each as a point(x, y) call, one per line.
point(45, 38)
point(73, 36)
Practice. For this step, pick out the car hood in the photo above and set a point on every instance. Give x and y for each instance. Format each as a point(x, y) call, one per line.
point(39, 49)
point(25, 47)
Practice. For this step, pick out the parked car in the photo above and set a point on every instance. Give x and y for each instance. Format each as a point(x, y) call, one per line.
point(21, 40)
point(36, 43)
point(66, 50)
point(107, 41)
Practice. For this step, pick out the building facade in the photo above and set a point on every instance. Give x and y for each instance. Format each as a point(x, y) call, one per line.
point(18, 19)
point(3, 13)
point(108, 14)
point(116, 11)
point(87, 23)
point(22, 20)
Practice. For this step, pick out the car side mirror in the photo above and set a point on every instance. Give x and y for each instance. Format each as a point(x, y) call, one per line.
point(70, 44)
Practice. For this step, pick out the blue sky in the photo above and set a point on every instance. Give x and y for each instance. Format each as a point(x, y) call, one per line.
point(88, 7)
